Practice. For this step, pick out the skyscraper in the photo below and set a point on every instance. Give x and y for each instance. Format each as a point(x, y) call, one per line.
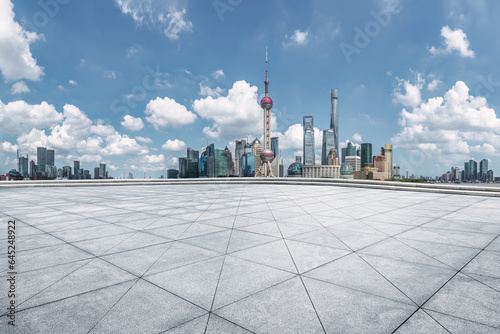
point(328, 144)
point(50, 157)
point(193, 155)
point(386, 151)
point(248, 162)
point(239, 150)
point(483, 170)
point(351, 149)
point(309, 155)
point(275, 147)
point(466, 171)
point(366, 155)
point(266, 156)
point(473, 169)
point(334, 118)
point(102, 171)
point(41, 158)
point(23, 166)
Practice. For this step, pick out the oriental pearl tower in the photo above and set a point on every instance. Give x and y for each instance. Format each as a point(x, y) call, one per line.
point(267, 156)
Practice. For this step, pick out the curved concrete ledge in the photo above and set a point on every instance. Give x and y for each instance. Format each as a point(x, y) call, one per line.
point(398, 186)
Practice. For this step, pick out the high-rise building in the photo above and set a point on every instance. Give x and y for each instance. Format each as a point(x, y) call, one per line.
point(308, 143)
point(102, 171)
point(257, 149)
point(266, 156)
point(386, 151)
point(332, 158)
point(193, 155)
point(466, 172)
point(230, 163)
point(172, 173)
point(483, 170)
point(473, 169)
point(239, 149)
point(275, 146)
point(23, 166)
point(328, 144)
point(41, 158)
point(183, 168)
point(380, 163)
point(248, 162)
point(220, 163)
point(50, 158)
point(343, 154)
point(334, 118)
point(366, 155)
point(350, 149)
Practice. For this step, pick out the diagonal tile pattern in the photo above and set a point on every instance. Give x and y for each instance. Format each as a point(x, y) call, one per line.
point(251, 258)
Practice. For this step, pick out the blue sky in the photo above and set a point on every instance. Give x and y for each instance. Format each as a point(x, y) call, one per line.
point(134, 83)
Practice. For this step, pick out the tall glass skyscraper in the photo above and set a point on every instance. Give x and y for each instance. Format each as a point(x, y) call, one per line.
point(334, 118)
point(248, 162)
point(366, 155)
point(309, 155)
point(483, 170)
point(351, 150)
point(328, 144)
point(466, 171)
point(41, 158)
point(473, 169)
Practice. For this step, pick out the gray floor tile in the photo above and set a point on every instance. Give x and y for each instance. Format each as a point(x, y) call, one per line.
point(146, 308)
point(467, 299)
point(284, 308)
point(309, 256)
point(421, 323)
point(343, 310)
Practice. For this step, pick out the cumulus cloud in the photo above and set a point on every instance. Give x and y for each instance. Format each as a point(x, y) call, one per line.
point(357, 138)
point(207, 91)
point(175, 145)
point(132, 123)
point(218, 74)
point(87, 158)
point(16, 60)
point(453, 40)
point(234, 116)
point(297, 38)
point(161, 14)
point(19, 87)
point(18, 116)
point(143, 140)
point(147, 163)
point(293, 138)
point(166, 112)
point(72, 82)
point(409, 94)
point(6, 147)
point(433, 84)
point(450, 128)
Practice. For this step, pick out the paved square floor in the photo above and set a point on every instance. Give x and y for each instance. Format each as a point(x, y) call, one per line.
point(251, 258)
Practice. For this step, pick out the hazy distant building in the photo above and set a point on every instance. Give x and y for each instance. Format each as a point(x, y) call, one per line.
point(343, 154)
point(327, 145)
point(239, 150)
point(483, 170)
point(366, 155)
point(466, 172)
point(172, 173)
point(473, 169)
point(96, 173)
point(229, 162)
point(350, 149)
point(396, 172)
point(308, 142)
point(23, 166)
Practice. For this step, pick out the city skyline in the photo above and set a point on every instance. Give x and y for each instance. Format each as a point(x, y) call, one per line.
point(137, 103)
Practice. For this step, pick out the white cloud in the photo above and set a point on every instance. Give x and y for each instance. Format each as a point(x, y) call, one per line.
point(132, 51)
point(123, 145)
point(298, 38)
point(6, 147)
point(61, 87)
point(166, 112)
point(218, 74)
point(454, 40)
point(433, 84)
point(18, 116)
point(207, 91)
point(110, 75)
point(175, 145)
point(144, 140)
point(84, 159)
point(234, 116)
point(450, 128)
point(132, 123)
point(357, 138)
point(412, 95)
point(16, 60)
point(162, 14)
point(147, 163)
point(72, 82)
point(19, 87)
point(293, 138)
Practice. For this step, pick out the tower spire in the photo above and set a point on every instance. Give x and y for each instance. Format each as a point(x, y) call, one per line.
point(266, 82)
